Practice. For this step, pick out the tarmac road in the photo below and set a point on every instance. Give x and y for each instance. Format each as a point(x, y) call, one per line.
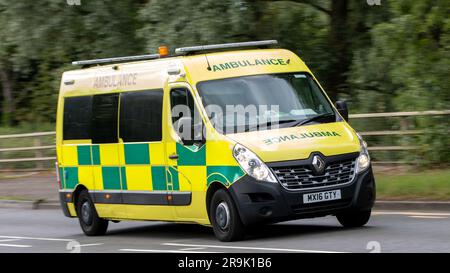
point(25, 230)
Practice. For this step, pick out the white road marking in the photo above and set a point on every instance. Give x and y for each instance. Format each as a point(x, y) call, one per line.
point(253, 248)
point(162, 250)
point(191, 248)
point(408, 213)
point(9, 240)
point(96, 244)
point(36, 238)
point(17, 238)
point(10, 245)
point(428, 217)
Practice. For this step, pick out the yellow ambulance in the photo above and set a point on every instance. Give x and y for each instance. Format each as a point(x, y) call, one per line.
point(257, 140)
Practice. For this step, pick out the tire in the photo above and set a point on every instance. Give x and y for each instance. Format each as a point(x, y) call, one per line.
point(354, 219)
point(90, 223)
point(224, 217)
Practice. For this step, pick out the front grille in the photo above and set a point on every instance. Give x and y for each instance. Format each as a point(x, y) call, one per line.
point(302, 177)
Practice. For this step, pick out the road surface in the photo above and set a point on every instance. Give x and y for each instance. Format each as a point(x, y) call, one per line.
point(23, 230)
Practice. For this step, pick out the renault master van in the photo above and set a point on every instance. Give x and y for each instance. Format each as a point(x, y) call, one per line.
point(228, 136)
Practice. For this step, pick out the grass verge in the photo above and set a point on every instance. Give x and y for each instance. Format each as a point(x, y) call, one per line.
point(426, 185)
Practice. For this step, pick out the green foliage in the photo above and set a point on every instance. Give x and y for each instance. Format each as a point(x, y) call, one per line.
point(41, 38)
point(406, 68)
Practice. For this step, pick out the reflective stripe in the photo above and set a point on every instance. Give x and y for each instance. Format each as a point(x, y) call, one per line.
point(135, 197)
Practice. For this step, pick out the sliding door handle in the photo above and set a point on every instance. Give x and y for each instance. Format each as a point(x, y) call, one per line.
point(173, 156)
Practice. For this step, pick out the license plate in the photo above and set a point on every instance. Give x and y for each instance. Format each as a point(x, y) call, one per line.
point(321, 196)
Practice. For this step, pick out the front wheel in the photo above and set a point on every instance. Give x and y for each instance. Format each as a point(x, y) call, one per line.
point(90, 223)
point(225, 220)
point(354, 219)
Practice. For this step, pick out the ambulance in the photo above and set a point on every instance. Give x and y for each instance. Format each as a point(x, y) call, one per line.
point(257, 140)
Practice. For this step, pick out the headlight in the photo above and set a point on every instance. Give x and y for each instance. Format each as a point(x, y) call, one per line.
point(252, 165)
point(363, 161)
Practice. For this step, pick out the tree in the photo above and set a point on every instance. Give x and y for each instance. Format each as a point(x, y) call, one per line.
point(405, 68)
point(6, 80)
point(36, 48)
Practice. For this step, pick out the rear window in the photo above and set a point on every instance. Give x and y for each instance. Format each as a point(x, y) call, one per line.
point(77, 118)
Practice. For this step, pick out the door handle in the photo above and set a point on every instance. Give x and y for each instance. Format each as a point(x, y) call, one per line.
point(173, 156)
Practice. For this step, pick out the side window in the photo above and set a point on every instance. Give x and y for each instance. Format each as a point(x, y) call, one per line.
point(186, 119)
point(104, 118)
point(181, 97)
point(77, 118)
point(141, 116)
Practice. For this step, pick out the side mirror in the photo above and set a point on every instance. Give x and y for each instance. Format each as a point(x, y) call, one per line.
point(341, 106)
point(189, 133)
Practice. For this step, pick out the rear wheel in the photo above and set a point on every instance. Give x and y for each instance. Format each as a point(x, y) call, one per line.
point(90, 223)
point(354, 219)
point(227, 224)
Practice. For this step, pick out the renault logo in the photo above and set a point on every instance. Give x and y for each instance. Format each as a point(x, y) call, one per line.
point(318, 164)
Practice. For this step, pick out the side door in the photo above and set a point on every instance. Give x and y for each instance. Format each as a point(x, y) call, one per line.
point(186, 154)
point(142, 156)
point(105, 156)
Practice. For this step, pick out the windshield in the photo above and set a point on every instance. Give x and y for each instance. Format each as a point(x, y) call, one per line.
point(262, 102)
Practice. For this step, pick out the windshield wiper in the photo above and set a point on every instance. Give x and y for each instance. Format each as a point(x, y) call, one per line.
point(308, 120)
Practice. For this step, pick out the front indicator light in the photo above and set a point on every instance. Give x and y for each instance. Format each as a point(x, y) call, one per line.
point(363, 161)
point(252, 165)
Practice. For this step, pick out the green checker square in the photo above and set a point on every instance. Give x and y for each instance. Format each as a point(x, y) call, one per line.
point(173, 177)
point(70, 177)
point(223, 174)
point(111, 178)
point(190, 157)
point(95, 155)
point(159, 178)
point(61, 177)
point(123, 177)
point(137, 153)
point(84, 155)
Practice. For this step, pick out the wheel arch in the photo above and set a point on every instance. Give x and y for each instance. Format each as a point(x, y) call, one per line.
point(212, 188)
point(78, 189)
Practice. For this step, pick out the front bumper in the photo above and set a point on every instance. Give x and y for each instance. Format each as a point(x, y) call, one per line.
point(259, 202)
